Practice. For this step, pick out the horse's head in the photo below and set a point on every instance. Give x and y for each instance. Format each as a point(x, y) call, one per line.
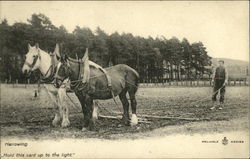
point(32, 59)
point(62, 71)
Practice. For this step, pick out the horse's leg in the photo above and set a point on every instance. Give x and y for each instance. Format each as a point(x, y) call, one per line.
point(57, 117)
point(57, 108)
point(82, 98)
point(89, 113)
point(64, 110)
point(95, 111)
point(134, 119)
point(125, 105)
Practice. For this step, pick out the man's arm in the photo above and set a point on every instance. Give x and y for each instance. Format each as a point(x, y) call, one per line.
point(213, 75)
point(226, 76)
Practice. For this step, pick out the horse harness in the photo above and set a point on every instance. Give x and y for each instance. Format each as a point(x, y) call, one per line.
point(79, 85)
point(52, 70)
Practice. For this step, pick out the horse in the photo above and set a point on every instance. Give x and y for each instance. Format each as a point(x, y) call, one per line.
point(36, 58)
point(90, 82)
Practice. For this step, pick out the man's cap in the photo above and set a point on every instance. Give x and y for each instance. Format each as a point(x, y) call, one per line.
point(221, 61)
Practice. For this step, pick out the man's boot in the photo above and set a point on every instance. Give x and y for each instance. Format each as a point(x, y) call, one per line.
point(214, 105)
point(221, 105)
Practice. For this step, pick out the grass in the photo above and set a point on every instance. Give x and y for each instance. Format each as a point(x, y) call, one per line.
point(22, 116)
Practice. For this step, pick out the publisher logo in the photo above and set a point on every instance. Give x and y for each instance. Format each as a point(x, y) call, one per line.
point(225, 141)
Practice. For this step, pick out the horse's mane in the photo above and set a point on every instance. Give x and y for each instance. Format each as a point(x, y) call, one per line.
point(91, 63)
point(53, 56)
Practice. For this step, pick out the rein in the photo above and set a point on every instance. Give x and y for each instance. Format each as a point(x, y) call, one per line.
point(52, 70)
point(45, 79)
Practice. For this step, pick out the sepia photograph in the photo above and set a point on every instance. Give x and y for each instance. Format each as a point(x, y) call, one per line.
point(124, 79)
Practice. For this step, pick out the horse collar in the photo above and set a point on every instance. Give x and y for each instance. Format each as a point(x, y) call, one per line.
point(78, 85)
point(52, 70)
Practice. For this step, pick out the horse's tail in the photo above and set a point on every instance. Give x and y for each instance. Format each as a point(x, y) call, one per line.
point(132, 77)
point(136, 73)
point(137, 77)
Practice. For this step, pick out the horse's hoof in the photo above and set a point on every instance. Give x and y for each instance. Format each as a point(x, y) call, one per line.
point(65, 123)
point(55, 122)
point(126, 121)
point(84, 129)
point(134, 120)
point(92, 128)
point(119, 125)
point(95, 118)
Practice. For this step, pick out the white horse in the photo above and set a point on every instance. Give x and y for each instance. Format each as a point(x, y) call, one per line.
point(46, 63)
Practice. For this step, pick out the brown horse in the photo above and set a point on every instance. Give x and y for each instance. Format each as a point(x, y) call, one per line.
point(91, 82)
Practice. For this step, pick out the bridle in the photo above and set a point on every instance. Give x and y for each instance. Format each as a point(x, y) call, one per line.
point(58, 77)
point(33, 63)
point(51, 69)
point(76, 84)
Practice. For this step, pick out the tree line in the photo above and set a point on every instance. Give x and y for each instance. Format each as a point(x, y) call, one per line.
point(156, 59)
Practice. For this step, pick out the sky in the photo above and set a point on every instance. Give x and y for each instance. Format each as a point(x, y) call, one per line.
point(223, 27)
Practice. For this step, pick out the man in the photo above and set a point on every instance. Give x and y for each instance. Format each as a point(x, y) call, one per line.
point(219, 80)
